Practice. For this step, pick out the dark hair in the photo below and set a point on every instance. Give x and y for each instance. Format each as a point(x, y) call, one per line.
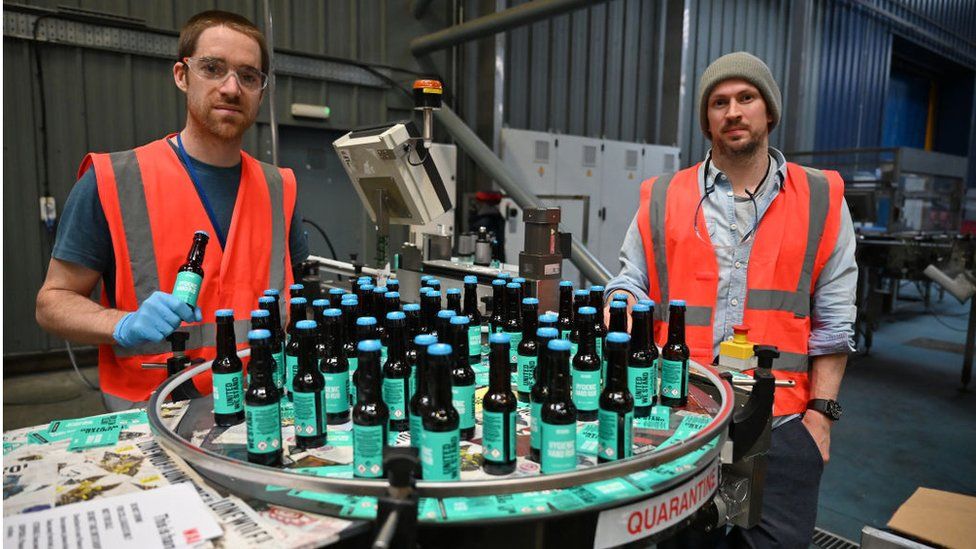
point(202, 21)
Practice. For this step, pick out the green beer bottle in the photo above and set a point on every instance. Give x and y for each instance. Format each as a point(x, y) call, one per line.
point(557, 436)
point(616, 432)
point(440, 452)
point(262, 410)
point(228, 374)
point(370, 415)
point(498, 439)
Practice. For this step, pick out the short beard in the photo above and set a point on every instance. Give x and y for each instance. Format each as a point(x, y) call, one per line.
point(740, 150)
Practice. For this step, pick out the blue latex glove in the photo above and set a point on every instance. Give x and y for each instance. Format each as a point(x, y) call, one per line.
point(157, 317)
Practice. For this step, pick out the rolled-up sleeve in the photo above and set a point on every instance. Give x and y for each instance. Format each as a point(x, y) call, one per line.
point(633, 266)
point(833, 309)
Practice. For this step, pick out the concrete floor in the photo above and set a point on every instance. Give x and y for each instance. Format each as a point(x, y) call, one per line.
point(905, 424)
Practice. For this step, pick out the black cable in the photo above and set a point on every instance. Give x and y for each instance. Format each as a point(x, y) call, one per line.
point(325, 236)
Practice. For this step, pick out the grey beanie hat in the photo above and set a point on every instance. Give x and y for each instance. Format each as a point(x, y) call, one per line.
point(742, 65)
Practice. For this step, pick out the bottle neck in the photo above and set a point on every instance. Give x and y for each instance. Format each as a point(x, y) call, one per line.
point(396, 342)
point(297, 313)
point(459, 340)
point(497, 302)
point(499, 373)
point(543, 365)
point(618, 319)
point(226, 343)
point(559, 385)
point(586, 342)
point(423, 371)
point(331, 328)
point(306, 351)
point(640, 333)
point(260, 366)
point(530, 323)
point(454, 302)
point(512, 309)
point(566, 303)
point(368, 390)
point(197, 252)
point(676, 325)
point(617, 367)
point(440, 378)
point(471, 300)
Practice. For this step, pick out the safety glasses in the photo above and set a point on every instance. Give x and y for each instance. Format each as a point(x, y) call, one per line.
point(213, 68)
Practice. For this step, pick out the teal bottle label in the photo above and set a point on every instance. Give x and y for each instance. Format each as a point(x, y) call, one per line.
point(474, 340)
point(613, 428)
point(187, 287)
point(309, 413)
point(639, 383)
point(535, 420)
point(673, 376)
point(599, 347)
point(228, 393)
point(291, 368)
point(384, 353)
point(263, 428)
point(279, 370)
point(564, 334)
point(353, 365)
point(497, 427)
point(367, 450)
point(462, 397)
point(336, 392)
point(416, 430)
point(413, 382)
point(558, 447)
point(515, 338)
point(440, 455)
point(525, 377)
point(586, 389)
point(394, 395)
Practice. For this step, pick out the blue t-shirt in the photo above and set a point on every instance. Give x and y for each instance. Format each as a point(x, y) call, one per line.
point(83, 235)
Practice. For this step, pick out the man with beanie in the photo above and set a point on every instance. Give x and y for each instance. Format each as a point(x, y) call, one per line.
point(745, 237)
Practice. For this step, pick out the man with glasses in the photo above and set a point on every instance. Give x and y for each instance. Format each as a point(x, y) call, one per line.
point(130, 219)
point(746, 237)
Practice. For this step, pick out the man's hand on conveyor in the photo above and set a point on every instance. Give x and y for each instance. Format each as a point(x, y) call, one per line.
point(156, 318)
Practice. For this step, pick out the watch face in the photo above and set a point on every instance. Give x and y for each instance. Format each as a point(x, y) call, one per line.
point(834, 410)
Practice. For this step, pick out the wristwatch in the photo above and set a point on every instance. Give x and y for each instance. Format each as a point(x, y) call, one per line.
point(829, 408)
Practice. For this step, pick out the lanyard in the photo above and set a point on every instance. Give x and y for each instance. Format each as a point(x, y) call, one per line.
point(203, 195)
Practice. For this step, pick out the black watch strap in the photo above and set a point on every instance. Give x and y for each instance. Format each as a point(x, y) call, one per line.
point(827, 407)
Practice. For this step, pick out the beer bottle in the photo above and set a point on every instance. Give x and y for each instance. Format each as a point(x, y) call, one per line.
point(525, 289)
point(674, 358)
point(308, 389)
point(296, 290)
point(396, 373)
point(462, 375)
point(335, 368)
point(434, 284)
point(262, 411)
point(270, 303)
point(379, 310)
point(586, 367)
point(527, 353)
point(430, 305)
point(370, 415)
point(580, 299)
point(549, 320)
point(619, 296)
point(296, 315)
point(392, 300)
point(412, 312)
point(350, 312)
point(366, 298)
point(365, 329)
point(498, 440)
point(513, 320)
point(392, 285)
point(318, 309)
point(442, 328)
point(557, 436)
point(596, 301)
point(189, 277)
point(540, 390)
point(474, 315)
point(642, 364)
point(440, 452)
point(566, 308)
point(616, 438)
point(618, 316)
point(420, 401)
point(454, 299)
point(228, 374)
point(497, 321)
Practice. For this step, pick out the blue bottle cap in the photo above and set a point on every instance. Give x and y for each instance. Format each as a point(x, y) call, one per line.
point(321, 303)
point(518, 280)
point(499, 337)
point(299, 301)
point(395, 315)
point(258, 334)
point(581, 292)
point(560, 345)
point(411, 307)
point(332, 312)
point(367, 287)
point(530, 301)
point(272, 292)
point(296, 287)
point(425, 278)
point(434, 293)
point(347, 300)
point(306, 325)
point(504, 275)
point(515, 285)
point(641, 308)
point(565, 283)
point(380, 289)
point(445, 313)
point(434, 283)
point(678, 302)
point(365, 321)
point(336, 291)
point(460, 319)
point(452, 291)
point(596, 289)
point(425, 290)
point(648, 302)
point(549, 318)
point(369, 345)
point(620, 296)
point(470, 279)
point(618, 305)
point(424, 339)
point(498, 282)
point(260, 313)
point(586, 311)
point(618, 337)
point(439, 349)
point(392, 295)
point(266, 299)
point(547, 332)
point(225, 312)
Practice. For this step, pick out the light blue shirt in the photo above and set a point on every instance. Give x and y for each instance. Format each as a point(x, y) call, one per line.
point(729, 219)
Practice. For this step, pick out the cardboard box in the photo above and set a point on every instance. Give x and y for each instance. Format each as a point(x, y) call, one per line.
point(941, 518)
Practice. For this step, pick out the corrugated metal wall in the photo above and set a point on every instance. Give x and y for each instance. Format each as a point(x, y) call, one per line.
point(103, 100)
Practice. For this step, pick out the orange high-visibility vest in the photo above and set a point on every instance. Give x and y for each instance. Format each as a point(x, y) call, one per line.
point(794, 239)
point(153, 209)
